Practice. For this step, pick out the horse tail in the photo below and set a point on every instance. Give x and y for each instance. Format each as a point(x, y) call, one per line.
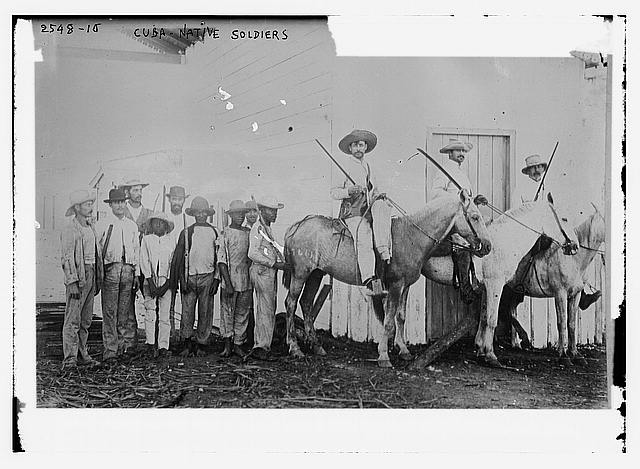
point(378, 308)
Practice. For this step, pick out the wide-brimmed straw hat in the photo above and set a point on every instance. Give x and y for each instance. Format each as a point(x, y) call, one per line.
point(237, 206)
point(455, 144)
point(355, 136)
point(270, 202)
point(533, 160)
point(177, 191)
point(116, 195)
point(134, 182)
point(160, 216)
point(78, 197)
point(251, 205)
point(200, 204)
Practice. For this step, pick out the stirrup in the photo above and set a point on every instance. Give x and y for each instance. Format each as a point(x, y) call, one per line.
point(374, 287)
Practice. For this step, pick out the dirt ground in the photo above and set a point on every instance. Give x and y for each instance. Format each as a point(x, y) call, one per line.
point(347, 377)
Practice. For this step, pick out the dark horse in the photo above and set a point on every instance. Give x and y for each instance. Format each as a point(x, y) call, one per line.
point(312, 249)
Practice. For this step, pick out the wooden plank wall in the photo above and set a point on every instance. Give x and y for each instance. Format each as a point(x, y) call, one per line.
point(280, 157)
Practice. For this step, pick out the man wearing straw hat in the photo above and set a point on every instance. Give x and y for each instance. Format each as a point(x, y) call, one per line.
point(236, 295)
point(134, 209)
point(266, 261)
point(83, 274)
point(119, 244)
point(193, 268)
point(176, 196)
point(534, 168)
point(155, 264)
point(442, 186)
point(362, 205)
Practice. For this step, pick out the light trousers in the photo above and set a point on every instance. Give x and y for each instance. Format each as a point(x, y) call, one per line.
point(363, 237)
point(162, 303)
point(234, 314)
point(77, 319)
point(264, 281)
point(118, 317)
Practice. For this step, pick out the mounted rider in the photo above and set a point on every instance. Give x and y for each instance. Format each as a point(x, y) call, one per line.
point(443, 186)
point(362, 205)
point(535, 168)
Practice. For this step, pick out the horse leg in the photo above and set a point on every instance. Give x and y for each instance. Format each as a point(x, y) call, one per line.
point(488, 322)
point(525, 343)
point(295, 288)
point(306, 303)
point(388, 328)
point(561, 320)
point(572, 311)
point(401, 316)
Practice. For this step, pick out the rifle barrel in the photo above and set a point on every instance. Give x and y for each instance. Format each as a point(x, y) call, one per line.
point(546, 171)
point(335, 162)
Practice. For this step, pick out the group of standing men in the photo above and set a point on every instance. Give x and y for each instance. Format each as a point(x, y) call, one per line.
point(166, 257)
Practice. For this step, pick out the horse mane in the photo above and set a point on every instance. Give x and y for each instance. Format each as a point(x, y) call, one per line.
point(584, 230)
point(515, 212)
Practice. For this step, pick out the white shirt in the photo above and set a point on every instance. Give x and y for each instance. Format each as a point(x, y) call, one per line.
point(202, 253)
point(155, 256)
point(358, 170)
point(525, 191)
point(124, 236)
point(178, 226)
point(135, 212)
point(442, 184)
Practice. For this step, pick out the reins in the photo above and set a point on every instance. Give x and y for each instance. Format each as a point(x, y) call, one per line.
point(407, 217)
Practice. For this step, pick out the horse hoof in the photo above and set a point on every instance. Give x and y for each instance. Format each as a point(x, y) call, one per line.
point(296, 353)
point(407, 357)
point(318, 350)
point(526, 345)
point(566, 361)
point(385, 364)
point(492, 362)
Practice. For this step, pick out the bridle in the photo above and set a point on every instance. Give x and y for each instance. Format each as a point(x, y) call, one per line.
point(569, 247)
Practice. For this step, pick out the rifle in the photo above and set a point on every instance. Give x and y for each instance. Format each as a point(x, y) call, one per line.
point(164, 197)
point(546, 171)
point(439, 166)
point(186, 251)
point(369, 186)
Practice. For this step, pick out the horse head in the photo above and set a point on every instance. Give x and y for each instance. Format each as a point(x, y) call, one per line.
point(557, 227)
point(471, 226)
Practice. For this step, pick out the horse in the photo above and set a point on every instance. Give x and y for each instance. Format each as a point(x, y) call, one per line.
point(553, 275)
point(512, 235)
point(590, 234)
point(312, 251)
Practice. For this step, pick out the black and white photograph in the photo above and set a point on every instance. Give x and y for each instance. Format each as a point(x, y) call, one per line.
point(232, 212)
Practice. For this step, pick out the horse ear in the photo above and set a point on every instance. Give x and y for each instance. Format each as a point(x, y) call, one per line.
point(594, 207)
point(464, 197)
point(550, 198)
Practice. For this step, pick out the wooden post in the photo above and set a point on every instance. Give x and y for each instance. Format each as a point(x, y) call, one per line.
point(317, 305)
point(44, 211)
point(468, 323)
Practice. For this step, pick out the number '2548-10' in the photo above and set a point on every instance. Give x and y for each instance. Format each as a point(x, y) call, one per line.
point(68, 28)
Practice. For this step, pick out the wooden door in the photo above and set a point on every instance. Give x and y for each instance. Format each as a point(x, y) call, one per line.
point(489, 165)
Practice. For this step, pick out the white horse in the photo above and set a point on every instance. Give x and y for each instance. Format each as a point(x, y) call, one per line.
point(512, 236)
point(554, 275)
